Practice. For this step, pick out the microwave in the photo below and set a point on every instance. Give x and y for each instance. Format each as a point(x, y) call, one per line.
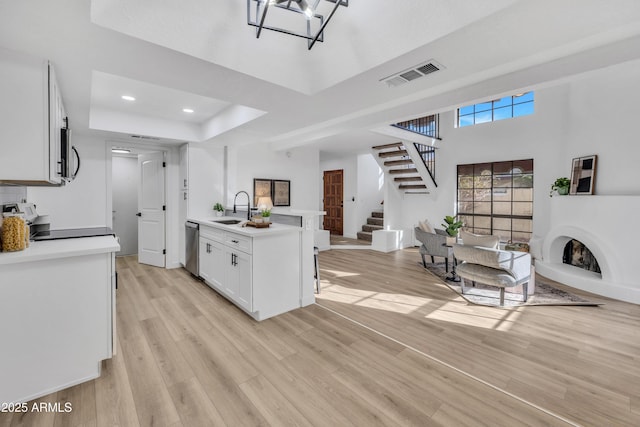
point(69, 157)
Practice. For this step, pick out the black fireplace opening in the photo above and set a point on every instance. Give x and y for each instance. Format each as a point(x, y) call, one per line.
point(577, 254)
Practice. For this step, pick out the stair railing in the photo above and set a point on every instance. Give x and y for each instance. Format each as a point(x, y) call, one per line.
point(428, 156)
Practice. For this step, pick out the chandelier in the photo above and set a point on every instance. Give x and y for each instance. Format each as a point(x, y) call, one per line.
point(285, 14)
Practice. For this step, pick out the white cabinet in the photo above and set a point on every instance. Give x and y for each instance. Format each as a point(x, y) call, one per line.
point(238, 281)
point(32, 118)
point(183, 197)
point(57, 311)
point(211, 259)
point(260, 274)
point(184, 166)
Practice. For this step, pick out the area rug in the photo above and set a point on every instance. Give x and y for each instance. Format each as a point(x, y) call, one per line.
point(545, 294)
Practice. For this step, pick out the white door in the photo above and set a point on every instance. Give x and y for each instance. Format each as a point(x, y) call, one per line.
point(151, 209)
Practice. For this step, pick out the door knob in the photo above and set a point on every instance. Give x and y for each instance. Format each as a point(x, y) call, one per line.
point(139, 214)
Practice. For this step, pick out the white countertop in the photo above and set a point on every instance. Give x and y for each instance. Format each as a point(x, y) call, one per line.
point(63, 248)
point(274, 228)
point(298, 212)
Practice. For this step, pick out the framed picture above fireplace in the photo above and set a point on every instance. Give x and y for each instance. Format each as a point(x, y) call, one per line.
point(583, 175)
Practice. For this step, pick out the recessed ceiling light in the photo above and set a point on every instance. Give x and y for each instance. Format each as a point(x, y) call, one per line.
point(128, 98)
point(120, 150)
point(187, 110)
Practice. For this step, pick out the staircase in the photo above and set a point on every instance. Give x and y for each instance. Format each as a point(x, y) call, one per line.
point(374, 222)
point(396, 162)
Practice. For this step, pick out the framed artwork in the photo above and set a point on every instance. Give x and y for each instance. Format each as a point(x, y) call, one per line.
point(281, 192)
point(583, 175)
point(261, 188)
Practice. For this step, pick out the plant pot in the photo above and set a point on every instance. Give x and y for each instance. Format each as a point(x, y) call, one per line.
point(218, 213)
point(451, 240)
point(563, 191)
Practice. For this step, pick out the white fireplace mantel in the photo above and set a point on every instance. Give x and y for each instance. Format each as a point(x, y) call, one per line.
point(605, 225)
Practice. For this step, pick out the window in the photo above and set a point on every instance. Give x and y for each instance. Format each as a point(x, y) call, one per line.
point(497, 198)
point(490, 111)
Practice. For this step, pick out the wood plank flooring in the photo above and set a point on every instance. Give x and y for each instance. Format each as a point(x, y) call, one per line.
point(581, 363)
point(347, 241)
point(187, 357)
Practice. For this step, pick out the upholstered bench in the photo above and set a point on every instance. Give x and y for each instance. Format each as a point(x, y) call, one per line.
point(493, 267)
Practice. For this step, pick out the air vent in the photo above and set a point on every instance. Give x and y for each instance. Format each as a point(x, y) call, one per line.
point(148, 138)
point(412, 73)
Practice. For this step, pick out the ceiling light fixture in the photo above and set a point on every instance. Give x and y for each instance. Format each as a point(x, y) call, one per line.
point(316, 22)
point(128, 98)
point(120, 150)
point(187, 110)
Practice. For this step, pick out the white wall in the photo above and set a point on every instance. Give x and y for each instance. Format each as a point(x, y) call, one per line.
point(363, 188)
point(370, 187)
point(603, 119)
point(300, 166)
point(541, 136)
point(83, 202)
point(206, 179)
point(594, 113)
point(349, 165)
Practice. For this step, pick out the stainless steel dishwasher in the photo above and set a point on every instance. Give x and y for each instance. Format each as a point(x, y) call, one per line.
point(191, 240)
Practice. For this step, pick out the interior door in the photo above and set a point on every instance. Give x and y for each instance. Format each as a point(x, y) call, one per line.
point(151, 209)
point(333, 201)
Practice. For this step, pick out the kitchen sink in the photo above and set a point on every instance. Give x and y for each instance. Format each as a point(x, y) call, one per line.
point(227, 221)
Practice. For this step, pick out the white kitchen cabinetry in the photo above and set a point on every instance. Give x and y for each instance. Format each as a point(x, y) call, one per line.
point(184, 166)
point(258, 271)
point(183, 198)
point(238, 279)
point(211, 260)
point(57, 315)
point(32, 117)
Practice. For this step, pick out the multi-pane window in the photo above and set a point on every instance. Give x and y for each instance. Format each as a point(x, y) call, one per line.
point(497, 198)
point(503, 108)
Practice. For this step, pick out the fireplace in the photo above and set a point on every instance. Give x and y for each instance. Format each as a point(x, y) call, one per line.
point(587, 220)
point(578, 255)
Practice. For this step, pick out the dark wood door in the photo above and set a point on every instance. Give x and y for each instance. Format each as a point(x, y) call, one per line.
point(333, 186)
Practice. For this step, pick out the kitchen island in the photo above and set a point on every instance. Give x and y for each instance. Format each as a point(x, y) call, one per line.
point(57, 315)
point(258, 269)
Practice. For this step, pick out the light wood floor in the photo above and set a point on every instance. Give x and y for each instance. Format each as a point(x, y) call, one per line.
point(342, 241)
point(187, 357)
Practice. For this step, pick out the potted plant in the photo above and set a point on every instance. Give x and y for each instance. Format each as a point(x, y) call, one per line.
point(451, 226)
point(561, 186)
point(266, 214)
point(219, 209)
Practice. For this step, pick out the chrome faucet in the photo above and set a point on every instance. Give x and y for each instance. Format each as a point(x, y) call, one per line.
point(248, 204)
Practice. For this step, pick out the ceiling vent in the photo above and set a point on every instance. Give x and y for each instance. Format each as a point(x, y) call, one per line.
point(412, 73)
point(148, 138)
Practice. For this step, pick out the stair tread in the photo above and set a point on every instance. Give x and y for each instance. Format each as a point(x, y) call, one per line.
point(411, 186)
point(408, 178)
point(382, 147)
point(398, 162)
point(393, 153)
point(375, 221)
point(403, 171)
point(363, 235)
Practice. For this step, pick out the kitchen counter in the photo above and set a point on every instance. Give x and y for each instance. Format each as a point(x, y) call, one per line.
point(64, 248)
point(246, 231)
point(260, 270)
point(57, 311)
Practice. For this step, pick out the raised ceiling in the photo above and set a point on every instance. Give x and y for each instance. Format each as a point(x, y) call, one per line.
point(279, 93)
point(359, 37)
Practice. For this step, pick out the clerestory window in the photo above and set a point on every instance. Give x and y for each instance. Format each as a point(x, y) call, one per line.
point(499, 109)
